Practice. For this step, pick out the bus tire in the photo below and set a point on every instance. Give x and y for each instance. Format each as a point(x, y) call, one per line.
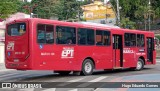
point(87, 67)
point(140, 65)
point(62, 72)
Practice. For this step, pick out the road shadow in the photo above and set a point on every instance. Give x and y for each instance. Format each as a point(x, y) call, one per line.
point(117, 71)
point(53, 76)
point(50, 77)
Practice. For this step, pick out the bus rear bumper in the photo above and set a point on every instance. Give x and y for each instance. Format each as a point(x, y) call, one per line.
point(18, 66)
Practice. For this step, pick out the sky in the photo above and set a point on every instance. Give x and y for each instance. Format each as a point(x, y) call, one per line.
point(105, 1)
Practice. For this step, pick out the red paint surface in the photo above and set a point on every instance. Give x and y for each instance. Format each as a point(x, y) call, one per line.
point(33, 60)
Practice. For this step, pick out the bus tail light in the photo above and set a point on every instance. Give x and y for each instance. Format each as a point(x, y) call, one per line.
point(25, 65)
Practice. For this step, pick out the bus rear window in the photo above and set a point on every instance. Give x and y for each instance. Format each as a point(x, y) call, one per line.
point(16, 29)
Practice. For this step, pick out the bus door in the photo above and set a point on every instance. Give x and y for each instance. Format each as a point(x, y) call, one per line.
point(150, 49)
point(117, 51)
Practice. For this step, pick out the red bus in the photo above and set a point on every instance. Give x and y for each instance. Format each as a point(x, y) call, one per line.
point(41, 44)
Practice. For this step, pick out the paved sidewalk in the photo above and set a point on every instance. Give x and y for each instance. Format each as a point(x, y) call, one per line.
point(3, 68)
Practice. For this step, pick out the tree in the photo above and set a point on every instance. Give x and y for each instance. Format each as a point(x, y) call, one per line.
point(44, 8)
point(126, 23)
point(67, 9)
point(22, 8)
point(138, 10)
point(62, 9)
point(8, 7)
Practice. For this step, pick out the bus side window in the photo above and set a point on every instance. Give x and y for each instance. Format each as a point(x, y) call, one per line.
point(45, 34)
point(90, 37)
point(127, 38)
point(133, 39)
point(99, 37)
point(49, 34)
point(41, 33)
point(86, 36)
point(140, 40)
point(106, 38)
point(102, 37)
point(130, 39)
point(66, 35)
point(82, 36)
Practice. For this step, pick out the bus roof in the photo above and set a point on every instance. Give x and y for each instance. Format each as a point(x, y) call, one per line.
point(84, 24)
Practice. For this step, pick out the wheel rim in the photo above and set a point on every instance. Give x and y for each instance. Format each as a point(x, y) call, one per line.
point(88, 67)
point(139, 65)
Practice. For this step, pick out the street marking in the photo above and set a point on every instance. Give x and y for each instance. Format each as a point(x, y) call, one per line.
point(98, 79)
point(73, 90)
point(28, 89)
point(104, 89)
point(11, 74)
point(91, 82)
point(68, 82)
point(51, 89)
point(75, 80)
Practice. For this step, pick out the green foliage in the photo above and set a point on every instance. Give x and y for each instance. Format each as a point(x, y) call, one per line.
point(8, 7)
point(138, 10)
point(131, 12)
point(44, 8)
point(21, 7)
point(126, 23)
point(67, 9)
point(156, 7)
point(62, 9)
point(157, 36)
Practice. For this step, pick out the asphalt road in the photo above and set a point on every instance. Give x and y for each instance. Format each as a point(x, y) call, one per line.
point(146, 75)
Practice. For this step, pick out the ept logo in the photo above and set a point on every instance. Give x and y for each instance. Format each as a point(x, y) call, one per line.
point(67, 52)
point(10, 46)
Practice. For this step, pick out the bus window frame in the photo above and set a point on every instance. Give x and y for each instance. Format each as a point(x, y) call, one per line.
point(144, 40)
point(124, 40)
point(103, 34)
point(16, 23)
point(86, 39)
point(65, 26)
point(45, 35)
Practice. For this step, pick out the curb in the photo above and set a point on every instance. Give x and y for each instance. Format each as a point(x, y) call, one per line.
point(105, 89)
point(5, 70)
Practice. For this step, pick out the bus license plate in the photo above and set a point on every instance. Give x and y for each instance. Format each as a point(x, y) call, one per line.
point(16, 60)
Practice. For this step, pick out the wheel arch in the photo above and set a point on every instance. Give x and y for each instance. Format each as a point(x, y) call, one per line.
point(92, 66)
point(141, 57)
point(91, 60)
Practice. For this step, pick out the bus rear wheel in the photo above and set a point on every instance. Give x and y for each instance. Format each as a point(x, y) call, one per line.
point(87, 67)
point(140, 65)
point(63, 72)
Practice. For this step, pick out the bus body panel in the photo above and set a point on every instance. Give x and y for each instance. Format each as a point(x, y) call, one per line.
point(70, 57)
point(17, 56)
point(103, 57)
point(130, 58)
